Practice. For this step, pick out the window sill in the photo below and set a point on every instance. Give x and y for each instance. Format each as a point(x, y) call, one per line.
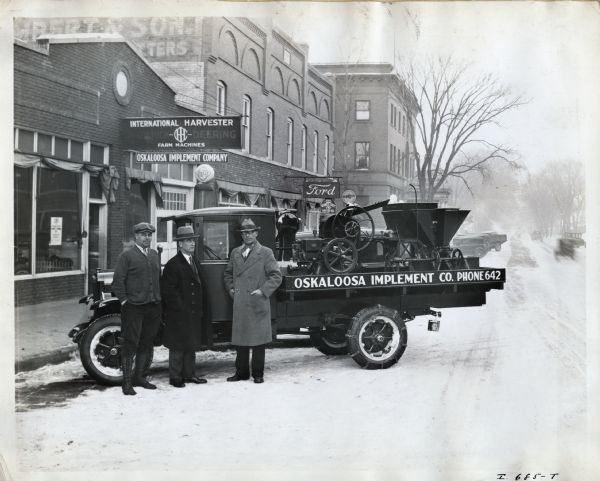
point(44, 275)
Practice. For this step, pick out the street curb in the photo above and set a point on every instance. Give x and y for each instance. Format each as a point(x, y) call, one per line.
point(35, 362)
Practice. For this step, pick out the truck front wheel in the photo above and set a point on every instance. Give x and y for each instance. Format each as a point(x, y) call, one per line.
point(377, 337)
point(100, 350)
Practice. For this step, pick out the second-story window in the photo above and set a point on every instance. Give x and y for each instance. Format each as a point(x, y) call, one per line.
point(363, 110)
point(287, 57)
point(290, 140)
point(315, 151)
point(361, 155)
point(303, 147)
point(270, 117)
point(221, 98)
point(246, 121)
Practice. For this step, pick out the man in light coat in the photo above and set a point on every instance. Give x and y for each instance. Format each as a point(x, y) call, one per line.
point(183, 303)
point(251, 276)
point(136, 282)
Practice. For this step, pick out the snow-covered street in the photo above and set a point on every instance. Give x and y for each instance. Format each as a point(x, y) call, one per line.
point(500, 388)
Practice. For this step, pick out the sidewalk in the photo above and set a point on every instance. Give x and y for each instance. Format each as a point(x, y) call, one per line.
point(41, 333)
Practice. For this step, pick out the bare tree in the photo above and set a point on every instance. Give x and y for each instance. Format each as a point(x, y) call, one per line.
point(454, 109)
point(555, 197)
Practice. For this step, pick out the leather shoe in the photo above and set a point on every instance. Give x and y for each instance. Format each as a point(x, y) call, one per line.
point(237, 377)
point(259, 380)
point(196, 380)
point(144, 383)
point(177, 383)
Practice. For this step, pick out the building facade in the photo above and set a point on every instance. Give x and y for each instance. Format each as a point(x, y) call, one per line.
point(79, 190)
point(374, 133)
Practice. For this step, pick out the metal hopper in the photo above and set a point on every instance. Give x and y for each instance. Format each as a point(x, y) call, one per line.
point(424, 221)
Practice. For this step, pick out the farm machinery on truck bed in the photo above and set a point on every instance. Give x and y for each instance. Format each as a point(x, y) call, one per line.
point(352, 287)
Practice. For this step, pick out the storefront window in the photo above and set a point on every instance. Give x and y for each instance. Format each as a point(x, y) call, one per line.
point(97, 154)
point(76, 150)
point(44, 145)
point(58, 221)
point(61, 147)
point(25, 141)
point(22, 220)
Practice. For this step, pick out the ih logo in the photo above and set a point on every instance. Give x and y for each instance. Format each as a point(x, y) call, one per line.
point(180, 134)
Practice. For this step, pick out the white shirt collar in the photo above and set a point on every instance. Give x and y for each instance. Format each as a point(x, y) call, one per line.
point(141, 248)
point(187, 257)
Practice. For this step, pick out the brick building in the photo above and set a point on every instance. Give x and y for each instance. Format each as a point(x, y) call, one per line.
point(78, 191)
point(374, 135)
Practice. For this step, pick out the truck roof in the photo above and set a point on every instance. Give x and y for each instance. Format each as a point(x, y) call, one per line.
point(212, 211)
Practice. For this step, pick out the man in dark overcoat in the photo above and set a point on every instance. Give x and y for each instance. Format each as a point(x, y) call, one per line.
point(182, 293)
point(251, 276)
point(136, 283)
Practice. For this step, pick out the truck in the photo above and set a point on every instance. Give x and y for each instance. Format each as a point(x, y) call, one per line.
point(350, 287)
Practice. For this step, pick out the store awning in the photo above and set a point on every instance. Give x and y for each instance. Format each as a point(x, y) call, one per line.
point(144, 176)
point(232, 188)
point(279, 194)
point(107, 174)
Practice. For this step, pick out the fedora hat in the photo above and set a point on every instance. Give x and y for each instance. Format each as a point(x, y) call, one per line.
point(248, 225)
point(144, 227)
point(185, 232)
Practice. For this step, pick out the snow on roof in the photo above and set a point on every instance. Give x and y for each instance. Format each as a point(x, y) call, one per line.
point(80, 37)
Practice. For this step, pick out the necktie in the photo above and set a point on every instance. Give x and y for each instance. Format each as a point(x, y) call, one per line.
point(146, 251)
point(246, 252)
point(193, 266)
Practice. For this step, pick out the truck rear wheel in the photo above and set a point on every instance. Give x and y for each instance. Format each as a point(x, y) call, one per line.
point(331, 341)
point(377, 337)
point(100, 350)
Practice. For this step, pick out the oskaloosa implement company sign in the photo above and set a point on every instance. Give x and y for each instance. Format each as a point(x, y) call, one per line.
point(394, 279)
point(181, 139)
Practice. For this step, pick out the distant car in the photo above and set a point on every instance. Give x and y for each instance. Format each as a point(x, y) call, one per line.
point(567, 244)
point(576, 238)
point(479, 245)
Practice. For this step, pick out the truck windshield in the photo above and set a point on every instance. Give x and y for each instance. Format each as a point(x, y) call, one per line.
point(216, 240)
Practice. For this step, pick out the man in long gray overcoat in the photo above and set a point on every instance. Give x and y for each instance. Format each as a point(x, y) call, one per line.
point(183, 307)
point(251, 276)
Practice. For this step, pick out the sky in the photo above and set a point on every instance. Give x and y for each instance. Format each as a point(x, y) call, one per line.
point(541, 51)
point(545, 52)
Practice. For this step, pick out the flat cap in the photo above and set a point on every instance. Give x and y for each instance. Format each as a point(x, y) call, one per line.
point(144, 227)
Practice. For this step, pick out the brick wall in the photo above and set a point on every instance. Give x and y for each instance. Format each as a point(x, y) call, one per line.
point(34, 291)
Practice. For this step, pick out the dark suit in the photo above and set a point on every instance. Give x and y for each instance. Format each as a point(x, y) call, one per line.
point(137, 280)
point(182, 295)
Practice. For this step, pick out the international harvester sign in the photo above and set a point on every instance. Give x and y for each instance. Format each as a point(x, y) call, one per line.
point(181, 139)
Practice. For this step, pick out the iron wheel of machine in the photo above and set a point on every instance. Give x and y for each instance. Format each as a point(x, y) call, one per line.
point(340, 256)
point(377, 337)
point(100, 350)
